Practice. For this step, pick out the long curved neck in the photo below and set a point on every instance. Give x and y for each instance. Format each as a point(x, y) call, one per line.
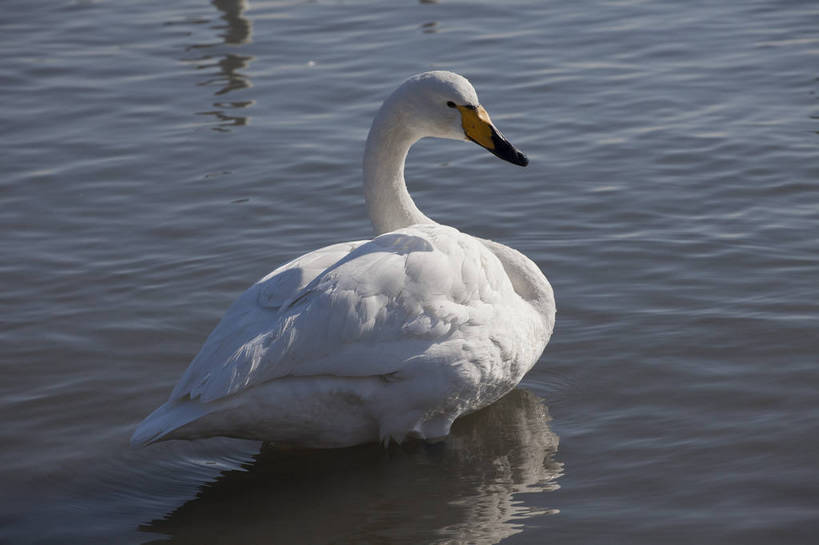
point(389, 204)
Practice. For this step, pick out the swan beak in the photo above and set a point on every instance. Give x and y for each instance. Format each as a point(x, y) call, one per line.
point(479, 128)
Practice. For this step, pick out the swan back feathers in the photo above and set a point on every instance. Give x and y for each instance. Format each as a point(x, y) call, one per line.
point(384, 304)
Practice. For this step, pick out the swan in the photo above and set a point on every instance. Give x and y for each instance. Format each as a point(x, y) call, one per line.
point(374, 340)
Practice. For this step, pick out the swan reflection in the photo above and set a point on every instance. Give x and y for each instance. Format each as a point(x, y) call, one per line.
point(236, 30)
point(462, 490)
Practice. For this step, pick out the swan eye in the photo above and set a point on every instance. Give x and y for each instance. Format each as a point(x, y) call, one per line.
point(450, 103)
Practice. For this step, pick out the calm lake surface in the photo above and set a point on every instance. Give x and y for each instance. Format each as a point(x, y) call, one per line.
point(160, 157)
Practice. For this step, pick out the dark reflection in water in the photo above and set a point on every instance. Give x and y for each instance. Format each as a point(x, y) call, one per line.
point(228, 77)
point(459, 491)
point(430, 27)
point(238, 29)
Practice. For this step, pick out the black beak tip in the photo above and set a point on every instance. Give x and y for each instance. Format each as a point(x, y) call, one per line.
point(513, 155)
point(506, 151)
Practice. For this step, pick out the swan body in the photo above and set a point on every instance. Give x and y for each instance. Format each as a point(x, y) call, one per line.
point(374, 340)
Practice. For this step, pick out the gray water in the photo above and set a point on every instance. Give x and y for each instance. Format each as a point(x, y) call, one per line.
point(159, 157)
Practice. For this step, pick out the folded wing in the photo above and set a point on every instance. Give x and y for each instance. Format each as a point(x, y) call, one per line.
point(353, 309)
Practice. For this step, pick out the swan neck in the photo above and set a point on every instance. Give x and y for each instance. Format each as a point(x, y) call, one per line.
point(389, 204)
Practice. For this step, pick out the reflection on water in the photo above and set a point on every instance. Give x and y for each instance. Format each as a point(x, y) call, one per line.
point(430, 27)
point(238, 28)
point(459, 491)
point(228, 77)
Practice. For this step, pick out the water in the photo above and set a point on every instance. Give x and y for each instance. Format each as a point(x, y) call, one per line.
point(160, 157)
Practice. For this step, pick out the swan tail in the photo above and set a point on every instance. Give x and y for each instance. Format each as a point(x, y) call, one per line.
point(168, 418)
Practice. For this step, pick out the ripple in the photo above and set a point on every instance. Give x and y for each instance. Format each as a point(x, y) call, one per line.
point(160, 158)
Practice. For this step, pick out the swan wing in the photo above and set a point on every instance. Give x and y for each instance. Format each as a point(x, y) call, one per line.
point(382, 305)
point(255, 312)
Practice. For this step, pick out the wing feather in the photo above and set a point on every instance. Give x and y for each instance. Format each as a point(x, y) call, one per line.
point(364, 309)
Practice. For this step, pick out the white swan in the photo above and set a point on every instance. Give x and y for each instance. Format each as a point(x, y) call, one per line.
point(375, 340)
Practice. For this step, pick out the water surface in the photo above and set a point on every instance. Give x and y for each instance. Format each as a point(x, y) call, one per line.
point(160, 157)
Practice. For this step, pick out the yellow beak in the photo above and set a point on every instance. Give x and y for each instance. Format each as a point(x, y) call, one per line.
point(479, 128)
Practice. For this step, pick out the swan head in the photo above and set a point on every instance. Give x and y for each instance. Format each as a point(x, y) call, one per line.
point(445, 105)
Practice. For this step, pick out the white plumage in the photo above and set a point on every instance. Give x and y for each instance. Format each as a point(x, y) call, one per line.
point(373, 340)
